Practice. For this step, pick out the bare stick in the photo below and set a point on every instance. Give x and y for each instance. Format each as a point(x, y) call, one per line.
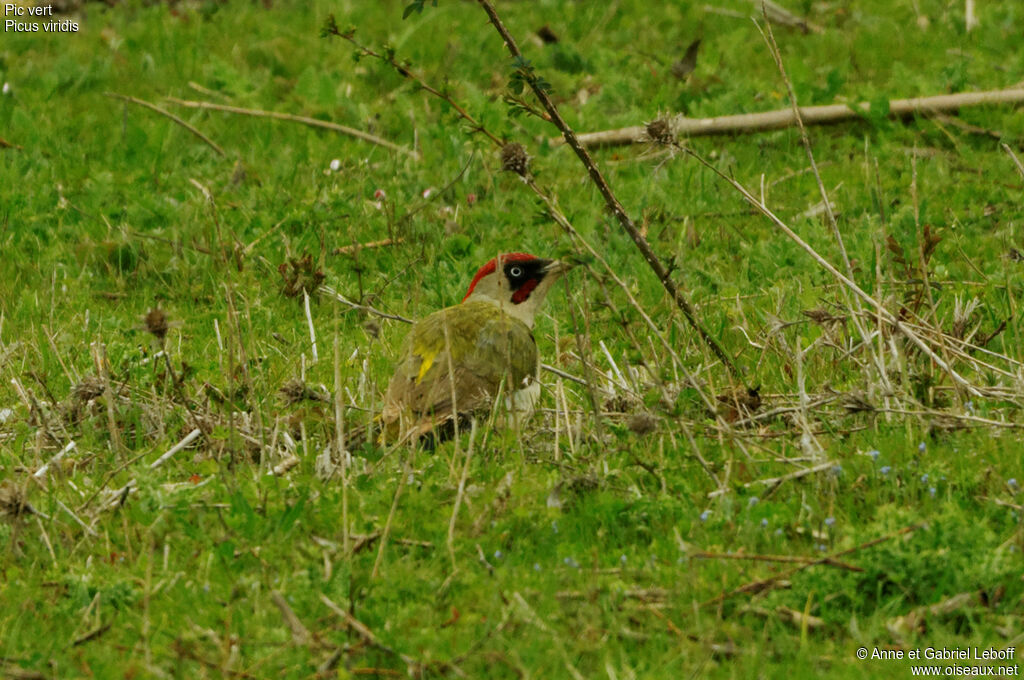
point(406, 469)
point(189, 438)
point(773, 558)
point(368, 636)
point(1013, 157)
point(812, 115)
point(164, 112)
point(339, 440)
point(332, 29)
point(309, 322)
point(88, 529)
point(763, 584)
point(458, 495)
point(610, 199)
point(345, 250)
point(775, 481)
point(312, 122)
point(332, 293)
point(99, 356)
point(883, 312)
point(41, 472)
point(300, 634)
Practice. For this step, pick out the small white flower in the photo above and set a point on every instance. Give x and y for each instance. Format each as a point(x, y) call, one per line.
point(335, 165)
point(427, 192)
point(7, 88)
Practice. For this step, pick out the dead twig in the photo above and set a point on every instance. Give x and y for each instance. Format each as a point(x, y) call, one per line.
point(164, 112)
point(745, 123)
point(774, 558)
point(300, 634)
point(368, 636)
point(775, 481)
point(346, 250)
point(311, 122)
point(767, 583)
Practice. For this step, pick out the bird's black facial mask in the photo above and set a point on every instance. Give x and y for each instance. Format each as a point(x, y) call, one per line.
point(523, 277)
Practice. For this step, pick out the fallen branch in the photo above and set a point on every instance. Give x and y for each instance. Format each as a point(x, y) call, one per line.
point(300, 634)
point(347, 250)
point(163, 112)
point(681, 126)
point(767, 583)
point(775, 481)
point(775, 558)
point(368, 636)
point(312, 122)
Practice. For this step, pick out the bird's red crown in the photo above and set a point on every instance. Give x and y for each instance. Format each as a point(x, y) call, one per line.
point(493, 264)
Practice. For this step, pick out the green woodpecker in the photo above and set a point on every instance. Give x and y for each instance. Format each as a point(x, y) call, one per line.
point(457, 360)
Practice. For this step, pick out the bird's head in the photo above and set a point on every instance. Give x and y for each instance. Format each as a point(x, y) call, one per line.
point(517, 282)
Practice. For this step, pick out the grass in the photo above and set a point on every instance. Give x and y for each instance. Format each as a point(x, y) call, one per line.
point(570, 556)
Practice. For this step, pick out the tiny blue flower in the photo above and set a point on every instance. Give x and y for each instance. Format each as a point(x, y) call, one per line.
point(622, 559)
point(829, 521)
point(704, 515)
point(764, 522)
point(571, 562)
point(1012, 483)
point(921, 447)
point(778, 532)
point(554, 527)
point(498, 555)
point(752, 501)
point(924, 478)
point(837, 470)
point(874, 454)
point(885, 469)
point(931, 491)
point(970, 406)
point(821, 547)
point(536, 566)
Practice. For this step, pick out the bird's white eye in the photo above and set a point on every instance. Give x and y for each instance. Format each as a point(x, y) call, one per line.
point(515, 272)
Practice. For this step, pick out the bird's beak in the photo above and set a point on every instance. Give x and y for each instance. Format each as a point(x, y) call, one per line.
point(557, 267)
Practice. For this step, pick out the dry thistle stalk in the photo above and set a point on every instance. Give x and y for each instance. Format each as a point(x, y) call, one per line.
point(642, 423)
point(90, 388)
point(298, 274)
point(660, 132)
point(14, 500)
point(295, 391)
point(515, 159)
point(156, 323)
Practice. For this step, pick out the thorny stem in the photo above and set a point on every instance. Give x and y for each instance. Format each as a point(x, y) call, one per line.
point(332, 29)
point(610, 199)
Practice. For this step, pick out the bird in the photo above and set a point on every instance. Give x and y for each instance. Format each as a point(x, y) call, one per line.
point(456, 361)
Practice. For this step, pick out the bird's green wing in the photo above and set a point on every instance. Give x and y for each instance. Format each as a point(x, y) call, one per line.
point(473, 346)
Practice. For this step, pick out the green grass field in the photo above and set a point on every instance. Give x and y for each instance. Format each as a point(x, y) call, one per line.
point(869, 500)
